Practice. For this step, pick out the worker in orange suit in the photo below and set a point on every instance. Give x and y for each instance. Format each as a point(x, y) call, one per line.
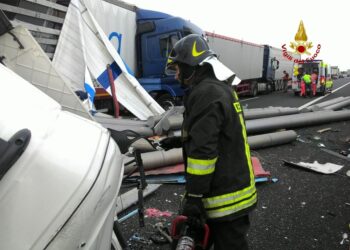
point(314, 77)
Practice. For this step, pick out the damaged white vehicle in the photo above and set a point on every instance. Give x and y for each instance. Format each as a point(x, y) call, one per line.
point(60, 173)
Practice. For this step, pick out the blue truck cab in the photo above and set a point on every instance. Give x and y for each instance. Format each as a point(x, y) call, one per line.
point(156, 35)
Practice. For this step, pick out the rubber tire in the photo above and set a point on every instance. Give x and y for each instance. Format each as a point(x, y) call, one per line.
point(254, 91)
point(165, 100)
point(268, 88)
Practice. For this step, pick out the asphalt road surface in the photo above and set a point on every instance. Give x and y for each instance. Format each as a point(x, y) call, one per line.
point(303, 210)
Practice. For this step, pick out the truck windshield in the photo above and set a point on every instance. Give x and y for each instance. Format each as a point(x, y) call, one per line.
point(167, 43)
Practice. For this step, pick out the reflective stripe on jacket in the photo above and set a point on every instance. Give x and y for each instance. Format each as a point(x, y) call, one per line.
point(218, 163)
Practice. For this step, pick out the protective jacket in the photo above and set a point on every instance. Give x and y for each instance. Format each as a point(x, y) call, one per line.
point(307, 79)
point(216, 151)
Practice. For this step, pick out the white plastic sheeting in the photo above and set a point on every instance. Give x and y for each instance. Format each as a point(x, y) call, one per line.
point(326, 168)
point(83, 42)
point(119, 25)
point(32, 64)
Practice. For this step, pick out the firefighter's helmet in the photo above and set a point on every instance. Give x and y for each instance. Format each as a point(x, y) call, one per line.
point(190, 50)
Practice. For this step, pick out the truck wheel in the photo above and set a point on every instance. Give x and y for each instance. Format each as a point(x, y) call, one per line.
point(254, 91)
point(273, 86)
point(278, 85)
point(268, 88)
point(166, 101)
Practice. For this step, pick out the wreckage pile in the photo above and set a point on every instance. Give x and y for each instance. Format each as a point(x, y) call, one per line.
point(266, 127)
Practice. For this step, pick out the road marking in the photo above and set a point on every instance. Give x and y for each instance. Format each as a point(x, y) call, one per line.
point(340, 87)
point(321, 97)
point(249, 99)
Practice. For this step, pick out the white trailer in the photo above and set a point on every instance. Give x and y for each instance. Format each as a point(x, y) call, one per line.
point(260, 67)
point(244, 58)
point(334, 72)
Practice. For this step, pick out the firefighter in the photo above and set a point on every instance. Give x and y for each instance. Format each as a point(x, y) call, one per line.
point(220, 182)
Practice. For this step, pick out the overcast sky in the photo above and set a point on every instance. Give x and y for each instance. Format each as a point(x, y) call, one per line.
point(272, 22)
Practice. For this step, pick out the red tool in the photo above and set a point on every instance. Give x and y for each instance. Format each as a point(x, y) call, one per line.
point(185, 238)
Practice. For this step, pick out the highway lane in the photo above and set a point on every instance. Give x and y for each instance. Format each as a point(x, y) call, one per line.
point(280, 99)
point(302, 210)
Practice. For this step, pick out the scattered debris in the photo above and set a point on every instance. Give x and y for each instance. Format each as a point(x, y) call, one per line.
point(345, 238)
point(274, 180)
point(166, 179)
point(344, 152)
point(258, 169)
point(162, 233)
point(327, 168)
point(331, 214)
point(324, 130)
point(137, 238)
point(303, 204)
point(301, 140)
point(158, 239)
point(335, 154)
point(127, 216)
point(154, 212)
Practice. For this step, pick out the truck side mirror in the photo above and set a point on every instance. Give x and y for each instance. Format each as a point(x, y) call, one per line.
point(275, 64)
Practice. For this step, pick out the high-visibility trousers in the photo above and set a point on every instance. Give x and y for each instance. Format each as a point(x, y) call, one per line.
point(314, 88)
point(302, 88)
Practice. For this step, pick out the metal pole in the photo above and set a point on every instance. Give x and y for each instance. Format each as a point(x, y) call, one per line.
point(114, 95)
point(271, 139)
point(294, 121)
point(338, 105)
point(250, 114)
point(157, 159)
point(321, 105)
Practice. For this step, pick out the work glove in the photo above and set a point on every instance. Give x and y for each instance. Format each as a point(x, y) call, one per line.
point(171, 142)
point(193, 209)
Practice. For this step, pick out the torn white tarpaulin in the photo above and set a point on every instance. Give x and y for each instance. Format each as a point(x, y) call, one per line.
point(83, 42)
point(31, 63)
point(327, 168)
